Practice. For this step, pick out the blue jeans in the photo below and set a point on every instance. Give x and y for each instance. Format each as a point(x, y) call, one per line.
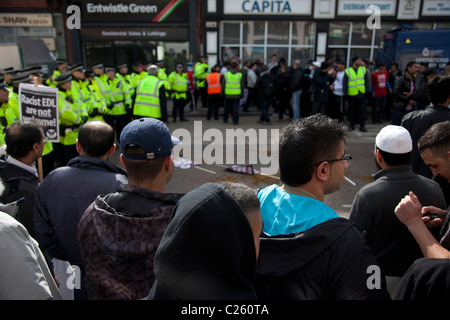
point(296, 103)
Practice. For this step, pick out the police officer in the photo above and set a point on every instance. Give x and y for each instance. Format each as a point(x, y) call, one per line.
point(16, 80)
point(162, 75)
point(137, 74)
point(81, 94)
point(35, 74)
point(61, 68)
point(71, 117)
point(102, 80)
point(151, 98)
point(7, 115)
point(179, 85)
point(122, 101)
point(201, 70)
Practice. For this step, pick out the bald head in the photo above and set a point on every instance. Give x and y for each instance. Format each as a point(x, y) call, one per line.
point(95, 138)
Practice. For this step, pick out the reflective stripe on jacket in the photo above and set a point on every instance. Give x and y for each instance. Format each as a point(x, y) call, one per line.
point(233, 83)
point(356, 82)
point(214, 84)
point(147, 102)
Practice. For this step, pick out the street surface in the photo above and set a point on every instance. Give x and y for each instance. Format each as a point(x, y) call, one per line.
point(359, 144)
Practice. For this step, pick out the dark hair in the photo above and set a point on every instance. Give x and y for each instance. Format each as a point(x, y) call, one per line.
point(409, 65)
point(437, 139)
point(96, 138)
point(306, 141)
point(20, 138)
point(242, 194)
point(393, 159)
point(438, 89)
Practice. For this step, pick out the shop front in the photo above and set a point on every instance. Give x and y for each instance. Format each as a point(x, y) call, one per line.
point(116, 32)
point(312, 30)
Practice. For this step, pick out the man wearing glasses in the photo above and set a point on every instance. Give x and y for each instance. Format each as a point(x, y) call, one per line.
point(307, 250)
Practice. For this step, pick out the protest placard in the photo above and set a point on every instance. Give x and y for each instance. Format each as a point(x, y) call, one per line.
point(41, 104)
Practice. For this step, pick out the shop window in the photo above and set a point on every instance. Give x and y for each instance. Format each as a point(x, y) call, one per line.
point(423, 25)
point(228, 53)
point(302, 54)
point(281, 52)
point(7, 35)
point(99, 51)
point(338, 34)
point(337, 54)
point(362, 53)
point(442, 25)
point(278, 32)
point(261, 39)
point(361, 35)
point(254, 32)
point(253, 53)
point(385, 27)
point(231, 33)
point(303, 33)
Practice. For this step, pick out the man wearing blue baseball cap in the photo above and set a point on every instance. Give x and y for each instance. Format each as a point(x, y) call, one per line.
point(120, 232)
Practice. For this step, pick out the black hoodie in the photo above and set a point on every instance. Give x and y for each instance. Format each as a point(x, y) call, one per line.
point(328, 261)
point(207, 251)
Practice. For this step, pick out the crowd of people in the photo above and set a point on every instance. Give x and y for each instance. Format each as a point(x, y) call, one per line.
point(94, 230)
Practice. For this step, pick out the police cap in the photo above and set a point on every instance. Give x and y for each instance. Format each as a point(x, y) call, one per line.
point(21, 77)
point(77, 67)
point(63, 77)
point(97, 64)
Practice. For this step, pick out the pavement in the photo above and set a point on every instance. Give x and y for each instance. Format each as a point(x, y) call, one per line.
point(215, 146)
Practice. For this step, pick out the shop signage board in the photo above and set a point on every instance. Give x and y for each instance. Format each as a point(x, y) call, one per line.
point(359, 7)
point(436, 8)
point(135, 11)
point(26, 20)
point(131, 33)
point(261, 7)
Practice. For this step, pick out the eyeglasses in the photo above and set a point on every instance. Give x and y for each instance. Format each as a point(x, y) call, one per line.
point(346, 157)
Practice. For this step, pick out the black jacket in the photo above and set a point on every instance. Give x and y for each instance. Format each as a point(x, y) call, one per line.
point(63, 197)
point(328, 261)
point(426, 279)
point(19, 183)
point(401, 85)
point(207, 252)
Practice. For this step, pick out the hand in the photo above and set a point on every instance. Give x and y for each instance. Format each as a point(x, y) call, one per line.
point(442, 214)
point(409, 209)
point(412, 102)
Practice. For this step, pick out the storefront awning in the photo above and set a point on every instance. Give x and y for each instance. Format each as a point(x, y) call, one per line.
point(34, 52)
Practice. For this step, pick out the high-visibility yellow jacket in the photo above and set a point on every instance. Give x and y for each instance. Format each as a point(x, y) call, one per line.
point(121, 97)
point(356, 83)
point(70, 118)
point(162, 75)
point(147, 103)
point(179, 85)
point(233, 84)
point(97, 102)
point(105, 89)
point(200, 73)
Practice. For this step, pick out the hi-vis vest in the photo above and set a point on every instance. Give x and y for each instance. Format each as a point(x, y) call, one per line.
point(147, 102)
point(232, 83)
point(356, 81)
point(179, 85)
point(214, 85)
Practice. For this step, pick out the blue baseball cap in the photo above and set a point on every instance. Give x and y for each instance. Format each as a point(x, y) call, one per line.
point(150, 134)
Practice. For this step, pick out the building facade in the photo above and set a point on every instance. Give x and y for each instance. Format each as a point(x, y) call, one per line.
point(312, 29)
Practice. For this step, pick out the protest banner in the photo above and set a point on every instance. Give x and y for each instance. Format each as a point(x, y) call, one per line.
point(41, 104)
